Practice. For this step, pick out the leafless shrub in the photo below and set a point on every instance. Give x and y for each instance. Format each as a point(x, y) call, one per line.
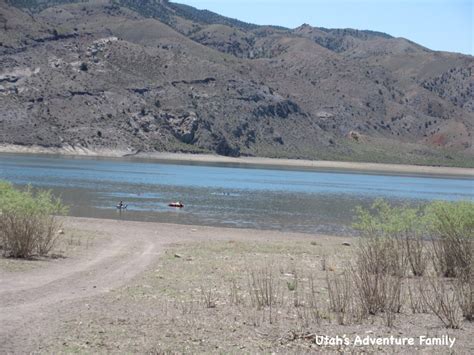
point(48, 238)
point(208, 297)
point(381, 255)
point(311, 302)
point(370, 288)
point(451, 256)
point(293, 287)
point(265, 292)
point(183, 307)
point(236, 298)
point(304, 316)
point(417, 255)
point(441, 299)
point(377, 292)
point(263, 287)
point(464, 291)
point(393, 304)
point(340, 295)
point(417, 305)
point(72, 240)
point(323, 263)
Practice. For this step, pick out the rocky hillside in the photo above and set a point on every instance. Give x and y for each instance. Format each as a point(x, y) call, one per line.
point(154, 75)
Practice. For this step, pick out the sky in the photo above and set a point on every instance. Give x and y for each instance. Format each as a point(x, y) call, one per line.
point(445, 25)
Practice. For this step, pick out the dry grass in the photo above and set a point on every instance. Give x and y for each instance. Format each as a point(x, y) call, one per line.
point(379, 269)
point(340, 291)
point(393, 300)
point(464, 291)
point(263, 288)
point(380, 275)
point(452, 255)
point(440, 297)
point(251, 297)
point(396, 243)
point(417, 254)
point(415, 299)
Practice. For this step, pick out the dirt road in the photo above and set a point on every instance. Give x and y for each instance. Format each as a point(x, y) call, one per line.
point(34, 303)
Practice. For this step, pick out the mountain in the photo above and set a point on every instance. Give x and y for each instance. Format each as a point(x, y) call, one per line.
point(153, 75)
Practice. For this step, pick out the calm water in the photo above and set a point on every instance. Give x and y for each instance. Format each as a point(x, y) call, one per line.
point(223, 194)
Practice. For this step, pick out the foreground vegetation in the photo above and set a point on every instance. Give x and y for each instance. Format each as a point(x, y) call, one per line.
point(409, 274)
point(427, 252)
point(406, 276)
point(28, 221)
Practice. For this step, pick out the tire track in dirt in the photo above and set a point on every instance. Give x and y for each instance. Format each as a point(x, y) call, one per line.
point(33, 304)
point(26, 298)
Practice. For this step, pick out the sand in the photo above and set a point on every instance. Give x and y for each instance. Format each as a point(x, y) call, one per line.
point(207, 158)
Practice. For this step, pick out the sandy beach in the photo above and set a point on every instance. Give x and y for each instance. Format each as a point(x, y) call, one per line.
point(208, 158)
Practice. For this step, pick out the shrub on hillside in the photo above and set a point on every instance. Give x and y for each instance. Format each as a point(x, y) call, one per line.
point(28, 221)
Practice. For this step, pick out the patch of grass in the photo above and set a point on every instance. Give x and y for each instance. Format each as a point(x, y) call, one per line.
point(387, 151)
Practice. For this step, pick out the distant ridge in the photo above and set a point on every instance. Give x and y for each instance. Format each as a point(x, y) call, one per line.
point(155, 75)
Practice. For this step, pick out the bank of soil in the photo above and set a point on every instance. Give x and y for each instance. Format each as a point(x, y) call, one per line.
point(149, 287)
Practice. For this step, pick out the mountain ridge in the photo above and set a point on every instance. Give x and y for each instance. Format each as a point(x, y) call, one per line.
point(174, 82)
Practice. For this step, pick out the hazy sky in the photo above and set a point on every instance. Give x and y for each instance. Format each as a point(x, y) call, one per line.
point(436, 24)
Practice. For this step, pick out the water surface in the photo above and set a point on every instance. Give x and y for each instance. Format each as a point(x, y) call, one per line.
point(223, 194)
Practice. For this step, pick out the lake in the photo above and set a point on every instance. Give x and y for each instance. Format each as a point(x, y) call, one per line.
point(232, 195)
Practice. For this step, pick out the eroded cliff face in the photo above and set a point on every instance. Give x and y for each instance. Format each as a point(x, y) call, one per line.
point(155, 75)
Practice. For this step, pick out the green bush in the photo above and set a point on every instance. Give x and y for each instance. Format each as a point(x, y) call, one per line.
point(448, 225)
point(393, 238)
point(397, 239)
point(452, 228)
point(28, 221)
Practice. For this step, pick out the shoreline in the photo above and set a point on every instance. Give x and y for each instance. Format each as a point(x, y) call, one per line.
point(173, 230)
point(249, 161)
point(217, 229)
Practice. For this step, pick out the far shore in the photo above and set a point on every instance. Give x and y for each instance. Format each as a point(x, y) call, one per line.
point(208, 158)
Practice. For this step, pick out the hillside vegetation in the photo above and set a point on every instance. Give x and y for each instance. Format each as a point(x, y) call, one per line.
point(159, 76)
